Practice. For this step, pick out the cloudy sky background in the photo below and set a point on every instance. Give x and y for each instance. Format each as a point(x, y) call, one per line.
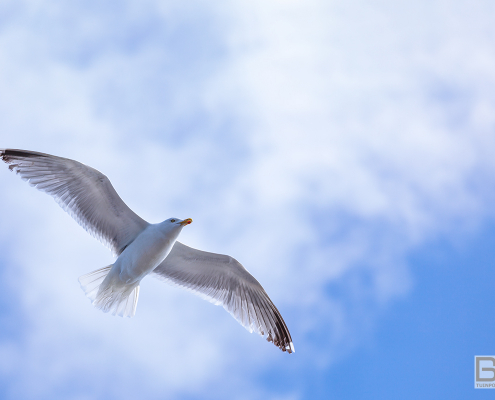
point(344, 152)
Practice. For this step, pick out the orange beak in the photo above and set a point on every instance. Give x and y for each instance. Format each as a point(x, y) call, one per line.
point(186, 222)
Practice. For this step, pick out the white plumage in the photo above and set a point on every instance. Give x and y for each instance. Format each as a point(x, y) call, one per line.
point(142, 248)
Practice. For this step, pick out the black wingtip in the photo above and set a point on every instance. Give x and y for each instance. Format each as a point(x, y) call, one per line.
point(10, 156)
point(282, 338)
point(7, 154)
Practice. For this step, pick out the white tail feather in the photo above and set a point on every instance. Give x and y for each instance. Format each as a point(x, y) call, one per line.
point(90, 283)
point(118, 299)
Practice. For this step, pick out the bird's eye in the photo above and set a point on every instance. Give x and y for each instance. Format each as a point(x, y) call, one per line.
point(172, 220)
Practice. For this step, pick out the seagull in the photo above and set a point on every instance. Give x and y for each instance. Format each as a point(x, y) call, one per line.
point(144, 249)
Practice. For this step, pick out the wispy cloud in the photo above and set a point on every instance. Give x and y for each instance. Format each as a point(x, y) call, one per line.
point(316, 142)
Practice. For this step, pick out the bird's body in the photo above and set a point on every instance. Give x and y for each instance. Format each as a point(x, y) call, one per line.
point(147, 251)
point(143, 249)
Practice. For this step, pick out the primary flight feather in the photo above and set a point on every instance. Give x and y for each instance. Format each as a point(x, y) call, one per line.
point(143, 248)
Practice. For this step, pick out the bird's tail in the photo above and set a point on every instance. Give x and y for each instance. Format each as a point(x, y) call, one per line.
point(118, 299)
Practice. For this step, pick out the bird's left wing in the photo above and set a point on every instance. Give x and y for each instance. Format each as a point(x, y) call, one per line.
point(85, 193)
point(224, 281)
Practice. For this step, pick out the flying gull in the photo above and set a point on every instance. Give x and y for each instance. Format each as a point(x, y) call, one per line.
point(143, 248)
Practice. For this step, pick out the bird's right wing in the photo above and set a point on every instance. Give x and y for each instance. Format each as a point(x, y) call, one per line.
point(224, 281)
point(85, 193)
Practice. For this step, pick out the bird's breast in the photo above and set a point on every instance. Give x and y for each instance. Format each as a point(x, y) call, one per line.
point(144, 254)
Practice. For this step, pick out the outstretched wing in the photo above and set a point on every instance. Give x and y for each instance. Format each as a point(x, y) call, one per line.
point(224, 281)
point(85, 193)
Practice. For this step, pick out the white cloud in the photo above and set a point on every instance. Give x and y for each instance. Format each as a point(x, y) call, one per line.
point(317, 142)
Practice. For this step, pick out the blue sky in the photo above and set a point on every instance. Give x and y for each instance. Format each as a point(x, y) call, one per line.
point(342, 151)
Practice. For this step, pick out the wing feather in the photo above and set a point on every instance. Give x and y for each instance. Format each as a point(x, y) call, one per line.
point(224, 281)
point(85, 193)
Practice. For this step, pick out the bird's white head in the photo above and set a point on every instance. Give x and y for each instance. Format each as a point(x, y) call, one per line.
point(176, 222)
